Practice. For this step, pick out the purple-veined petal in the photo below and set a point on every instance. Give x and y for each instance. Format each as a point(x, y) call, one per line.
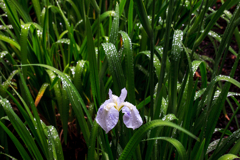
point(122, 97)
point(131, 117)
point(107, 119)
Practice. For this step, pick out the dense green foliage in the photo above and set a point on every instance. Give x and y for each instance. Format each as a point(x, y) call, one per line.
point(62, 57)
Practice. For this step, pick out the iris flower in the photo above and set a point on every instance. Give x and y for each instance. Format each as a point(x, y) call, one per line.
point(108, 113)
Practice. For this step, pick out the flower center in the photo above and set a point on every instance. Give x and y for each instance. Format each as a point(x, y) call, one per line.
point(127, 104)
point(115, 104)
point(114, 98)
point(109, 106)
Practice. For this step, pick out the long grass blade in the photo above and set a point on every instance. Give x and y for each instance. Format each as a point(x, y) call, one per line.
point(136, 138)
point(75, 100)
point(18, 145)
point(173, 76)
point(114, 66)
point(35, 113)
point(228, 157)
point(127, 45)
point(115, 27)
point(181, 150)
point(91, 148)
point(93, 66)
point(21, 129)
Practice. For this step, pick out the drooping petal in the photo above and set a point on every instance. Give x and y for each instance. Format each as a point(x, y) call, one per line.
point(107, 119)
point(131, 117)
point(122, 97)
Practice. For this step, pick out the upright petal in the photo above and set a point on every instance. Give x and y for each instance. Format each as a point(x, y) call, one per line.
point(131, 117)
point(110, 94)
point(122, 97)
point(107, 119)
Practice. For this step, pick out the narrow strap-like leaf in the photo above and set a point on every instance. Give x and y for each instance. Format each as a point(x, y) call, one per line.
point(174, 58)
point(55, 143)
point(136, 138)
point(127, 45)
point(181, 150)
point(228, 157)
point(130, 17)
point(164, 57)
point(18, 145)
point(95, 6)
point(64, 113)
point(121, 7)
point(93, 137)
point(40, 93)
point(20, 10)
point(21, 129)
point(75, 99)
point(10, 41)
point(143, 17)
point(37, 8)
point(211, 23)
point(93, 66)
point(23, 43)
point(115, 27)
point(114, 66)
point(200, 151)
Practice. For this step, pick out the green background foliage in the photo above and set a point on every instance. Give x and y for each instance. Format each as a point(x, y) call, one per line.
point(62, 57)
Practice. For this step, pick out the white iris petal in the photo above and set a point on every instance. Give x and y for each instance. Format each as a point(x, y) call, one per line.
point(122, 97)
point(108, 113)
point(107, 118)
point(131, 117)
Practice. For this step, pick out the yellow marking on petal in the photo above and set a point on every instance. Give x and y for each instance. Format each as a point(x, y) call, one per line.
point(109, 106)
point(127, 104)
